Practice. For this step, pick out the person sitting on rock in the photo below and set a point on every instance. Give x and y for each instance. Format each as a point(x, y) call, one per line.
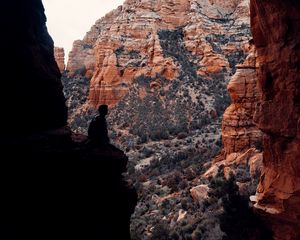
point(97, 131)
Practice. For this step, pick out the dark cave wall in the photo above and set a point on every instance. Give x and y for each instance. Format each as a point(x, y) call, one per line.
point(53, 183)
point(31, 95)
point(276, 32)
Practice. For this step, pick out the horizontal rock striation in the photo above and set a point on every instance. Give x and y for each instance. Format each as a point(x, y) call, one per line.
point(239, 132)
point(242, 140)
point(129, 42)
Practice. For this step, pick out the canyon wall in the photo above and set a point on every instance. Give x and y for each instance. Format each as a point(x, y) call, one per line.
point(32, 96)
point(239, 132)
point(129, 43)
point(242, 140)
point(264, 115)
point(59, 55)
point(276, 26)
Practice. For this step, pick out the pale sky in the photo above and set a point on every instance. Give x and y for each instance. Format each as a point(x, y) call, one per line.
point(69, 20)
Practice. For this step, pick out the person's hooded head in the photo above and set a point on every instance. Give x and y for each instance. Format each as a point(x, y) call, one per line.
point(103, 110)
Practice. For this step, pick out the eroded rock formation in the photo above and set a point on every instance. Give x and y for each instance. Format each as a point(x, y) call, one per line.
point(275, 26)
point(59, 54)
point(81, 58)
point(129, 42)
point(239, 132)
point(241, 138)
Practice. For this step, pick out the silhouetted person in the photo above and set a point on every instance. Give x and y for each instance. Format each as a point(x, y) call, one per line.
point(98, 127)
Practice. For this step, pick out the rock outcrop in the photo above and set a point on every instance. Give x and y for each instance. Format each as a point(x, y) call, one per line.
point(239, 133)
point(53, 183)
point(32, 92)
point(81, 58)
point(56, 177)
point(241, 138)
point(199, 193)
point(275, 26)
point(59, 54)
point(129, 42)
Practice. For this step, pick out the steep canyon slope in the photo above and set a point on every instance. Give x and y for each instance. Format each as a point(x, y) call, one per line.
point(129, 42)
point(178, 54)
point(241, 138)
point(163, 67)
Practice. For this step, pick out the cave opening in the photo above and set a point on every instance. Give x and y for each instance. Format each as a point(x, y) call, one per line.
point(165, 80)
point(164, 70)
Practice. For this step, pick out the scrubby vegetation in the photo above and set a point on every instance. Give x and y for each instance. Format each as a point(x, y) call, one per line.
point(223, 214)
point(76, 91)
point(184, 108)
point(170, 129)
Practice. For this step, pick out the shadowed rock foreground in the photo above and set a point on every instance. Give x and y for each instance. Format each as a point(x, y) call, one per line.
point(53, 184)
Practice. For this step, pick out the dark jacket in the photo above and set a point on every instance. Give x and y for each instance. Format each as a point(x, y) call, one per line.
point(98, 129)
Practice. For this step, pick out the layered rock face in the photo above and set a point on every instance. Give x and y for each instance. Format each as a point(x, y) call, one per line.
point(241, 138)
point(53, 183)
point(239, 132)
point(32, 91)
point(275, 26)
point(59, 55)
point(128, 43)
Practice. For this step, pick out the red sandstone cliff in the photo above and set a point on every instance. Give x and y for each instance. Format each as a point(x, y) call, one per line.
point(240, 136)
point(239, 132)
point(276, 26)
point(125, 44)
point(59, 54)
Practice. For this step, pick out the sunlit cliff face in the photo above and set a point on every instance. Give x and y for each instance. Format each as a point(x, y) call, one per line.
point(108, 56)
point(127, 44)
